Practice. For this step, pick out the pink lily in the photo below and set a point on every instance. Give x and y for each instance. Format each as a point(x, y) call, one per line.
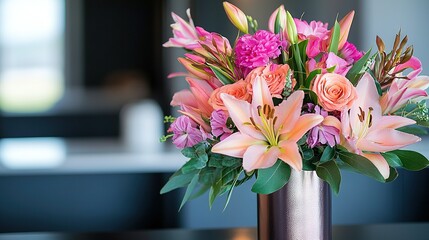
point(194, 103)
point(403, 91)
point(345, 25)
point(366, 132)
point(185, 34)
point(414, 63)
point(266, 132)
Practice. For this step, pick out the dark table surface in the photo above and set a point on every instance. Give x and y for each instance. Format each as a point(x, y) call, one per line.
point(415, 231)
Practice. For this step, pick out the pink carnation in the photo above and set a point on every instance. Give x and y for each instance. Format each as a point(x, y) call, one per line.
point(315, 32)
point(350, 53)
point(256, 50)
point(186, 132)
point(327, 61)
point(315, 29)
point(219, 126)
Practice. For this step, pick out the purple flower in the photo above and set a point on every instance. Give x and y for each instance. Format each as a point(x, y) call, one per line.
point(256, 50)
point(218, 124)
point(322, 133)
point(350, 53)
point(186, 132)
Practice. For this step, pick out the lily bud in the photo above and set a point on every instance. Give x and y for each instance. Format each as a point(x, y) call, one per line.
point(345, 25)
point(277, 20)
point(236, 16)
point(292, 33)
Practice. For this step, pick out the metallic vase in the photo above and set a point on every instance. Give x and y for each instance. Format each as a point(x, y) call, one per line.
point(301, 210)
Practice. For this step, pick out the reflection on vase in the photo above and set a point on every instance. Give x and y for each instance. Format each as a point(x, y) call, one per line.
point(301, 210)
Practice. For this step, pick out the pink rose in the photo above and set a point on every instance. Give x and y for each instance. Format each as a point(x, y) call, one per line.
point(334, 92)
point(237, 89)
point(275, 76)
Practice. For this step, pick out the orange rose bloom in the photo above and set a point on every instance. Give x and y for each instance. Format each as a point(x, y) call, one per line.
point(238, 89)
point(334, 91)
point(276, 77)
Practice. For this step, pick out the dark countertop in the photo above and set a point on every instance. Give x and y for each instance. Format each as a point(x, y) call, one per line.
point(409, 231)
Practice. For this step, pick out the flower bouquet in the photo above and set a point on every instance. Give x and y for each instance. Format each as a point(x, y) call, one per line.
point(296, 97)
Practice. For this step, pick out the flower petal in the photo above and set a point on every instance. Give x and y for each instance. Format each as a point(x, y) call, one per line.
point(236, 145)
point(240, 113)
point(289, 153)
point(379, 162)
point(384, 140)
point(332, 121)
point(392, 122)
point(261, 93)
point(288, 111)
point(304, 123)
point(260, 156)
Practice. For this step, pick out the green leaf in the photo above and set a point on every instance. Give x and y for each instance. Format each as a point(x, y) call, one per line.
point(277, 27)
point(354, 73)
point(361, 165)
point(214, 192)
point(413, 129)
point(393, 175)
point(177, 181)
point(378, 86)
point(189, 190)
point(228, 175)
point(392, 159)
point(272, 179)
point(313, 97)
point(335, 40)
point(189, 152)
point(327, 154)
point(331, 69)
point(232, 189)
point(411, 160)
point(203, 189)
point(192, 165)
point(223, 77)
point(311, 76)
point(330, 172)
point(422, 123)
point(231, 162)
point(307, 153)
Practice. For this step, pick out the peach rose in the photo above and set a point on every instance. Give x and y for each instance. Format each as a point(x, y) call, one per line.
point(238, 89)
point(334, 92)
point(276, 77)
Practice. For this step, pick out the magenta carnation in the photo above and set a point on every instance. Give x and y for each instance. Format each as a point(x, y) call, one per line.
point(218, 124)
point(186, 132)
point(350, 53)
point(256, 50)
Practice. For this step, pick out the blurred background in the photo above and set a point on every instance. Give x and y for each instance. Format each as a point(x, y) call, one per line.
point(83, 89)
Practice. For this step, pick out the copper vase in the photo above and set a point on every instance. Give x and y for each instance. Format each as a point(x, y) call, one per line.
point(301, 210)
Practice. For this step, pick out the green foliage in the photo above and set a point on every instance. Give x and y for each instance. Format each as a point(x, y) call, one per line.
point(297, 60)
point(327, 155)
point(335, 38)
point(223, 77)
point(358, 68)
point(330, 172)
point(310, 77)
point(411, 160)
point(271, 179)
point(207, 171)
point(361, 165)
